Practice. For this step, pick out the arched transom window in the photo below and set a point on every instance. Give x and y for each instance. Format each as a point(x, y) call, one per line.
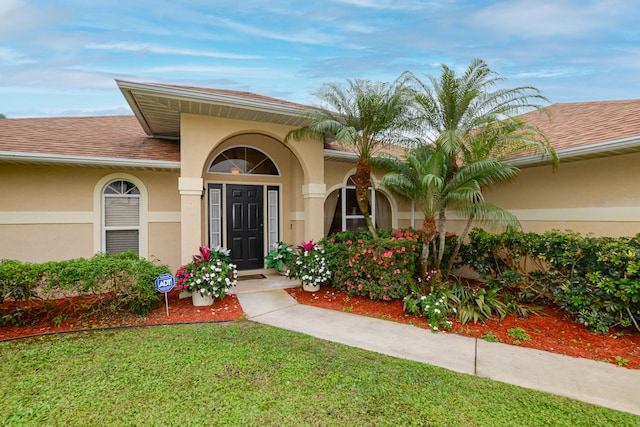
point(243, 161)
point(121, 217)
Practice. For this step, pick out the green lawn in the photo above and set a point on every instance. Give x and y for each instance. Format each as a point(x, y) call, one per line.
point(249, 374)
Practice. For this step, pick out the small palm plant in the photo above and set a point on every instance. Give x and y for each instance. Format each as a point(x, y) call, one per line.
point(281, 255)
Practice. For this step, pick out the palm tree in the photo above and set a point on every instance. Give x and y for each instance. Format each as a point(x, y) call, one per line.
point(474, 125)
point(425, 176)
point(466, 112)
point(470, 129)
point(364, 116)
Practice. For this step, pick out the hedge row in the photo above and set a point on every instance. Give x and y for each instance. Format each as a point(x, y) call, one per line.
point(126, 280)
point(597, 279)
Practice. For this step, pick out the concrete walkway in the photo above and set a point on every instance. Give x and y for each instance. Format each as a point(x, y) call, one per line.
point(266, 301)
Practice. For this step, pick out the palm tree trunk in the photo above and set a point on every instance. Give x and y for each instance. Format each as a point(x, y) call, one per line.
point(442, 220)
point(428, 232)
point(454, 255)
point(363, 182)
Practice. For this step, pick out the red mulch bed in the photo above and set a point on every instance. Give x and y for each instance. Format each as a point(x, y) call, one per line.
point(73, 314)
point(551, 330)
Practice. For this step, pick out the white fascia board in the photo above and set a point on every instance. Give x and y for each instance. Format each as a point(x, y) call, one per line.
point(586, 150)
point(89, 161)
point(215, 98)
point(343, 155)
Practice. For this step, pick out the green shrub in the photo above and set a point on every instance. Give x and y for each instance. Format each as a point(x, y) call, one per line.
point(123, 281)
point(595, 279)
point(379, 268)
point(18, 281)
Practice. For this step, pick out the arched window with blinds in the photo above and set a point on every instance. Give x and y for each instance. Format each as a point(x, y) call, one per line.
point(121, 217)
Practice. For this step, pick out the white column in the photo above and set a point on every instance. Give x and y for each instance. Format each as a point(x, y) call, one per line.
point(191, 190)
point(313, 195)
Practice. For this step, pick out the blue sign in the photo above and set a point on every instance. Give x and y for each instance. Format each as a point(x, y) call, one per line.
point(165, 283)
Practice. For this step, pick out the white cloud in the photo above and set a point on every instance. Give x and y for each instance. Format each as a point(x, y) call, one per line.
point(11, 56)
point(391, 4)
point(151, 48)
point(19, 17)
point(308, 36)
point(253, 72)
point(544, 18)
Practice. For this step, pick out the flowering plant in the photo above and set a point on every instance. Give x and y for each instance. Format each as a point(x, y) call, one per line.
point(381, 269)
point(434, 306)
point(310, 265)
point(211, 273)
point(281, 255)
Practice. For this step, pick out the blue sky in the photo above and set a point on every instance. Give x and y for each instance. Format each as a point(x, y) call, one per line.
point(60, 57)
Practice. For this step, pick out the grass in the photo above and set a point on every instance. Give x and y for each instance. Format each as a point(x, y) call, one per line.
point(249, 374)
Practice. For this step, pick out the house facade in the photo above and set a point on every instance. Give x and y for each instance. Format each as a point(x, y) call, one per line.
point(196, 166)
point(596, 188)
point(192, 167)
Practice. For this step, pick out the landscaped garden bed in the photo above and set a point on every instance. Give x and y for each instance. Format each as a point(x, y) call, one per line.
point(549, 329)
point(79, 313)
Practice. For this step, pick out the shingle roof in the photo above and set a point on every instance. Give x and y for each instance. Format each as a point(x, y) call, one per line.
point(237, 94)
point(579, 124)
point(569, 126)
point(105, 137)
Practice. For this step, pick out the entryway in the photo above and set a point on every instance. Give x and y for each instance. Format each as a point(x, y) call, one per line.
point(245, 225)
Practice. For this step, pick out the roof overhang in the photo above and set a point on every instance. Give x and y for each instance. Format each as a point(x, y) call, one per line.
point(593, 151)
point(12, 157)
point(340, 156)
point(158, 107)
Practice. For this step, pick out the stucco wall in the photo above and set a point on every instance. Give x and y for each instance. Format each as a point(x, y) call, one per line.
point(54, 212)
point(599, 196)
point(301, 177)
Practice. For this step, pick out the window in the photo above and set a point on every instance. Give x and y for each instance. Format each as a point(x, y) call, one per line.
point(343, 213)
point(215, 215)
point(243, 161)
point(273, 217)
point(121, 217)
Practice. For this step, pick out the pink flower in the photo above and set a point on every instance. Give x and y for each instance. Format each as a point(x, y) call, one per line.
point(307, 246)
point(388, 254)
point(360, 287)
point(205, 253)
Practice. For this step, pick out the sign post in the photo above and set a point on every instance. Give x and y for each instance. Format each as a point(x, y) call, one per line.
point(164, 284)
